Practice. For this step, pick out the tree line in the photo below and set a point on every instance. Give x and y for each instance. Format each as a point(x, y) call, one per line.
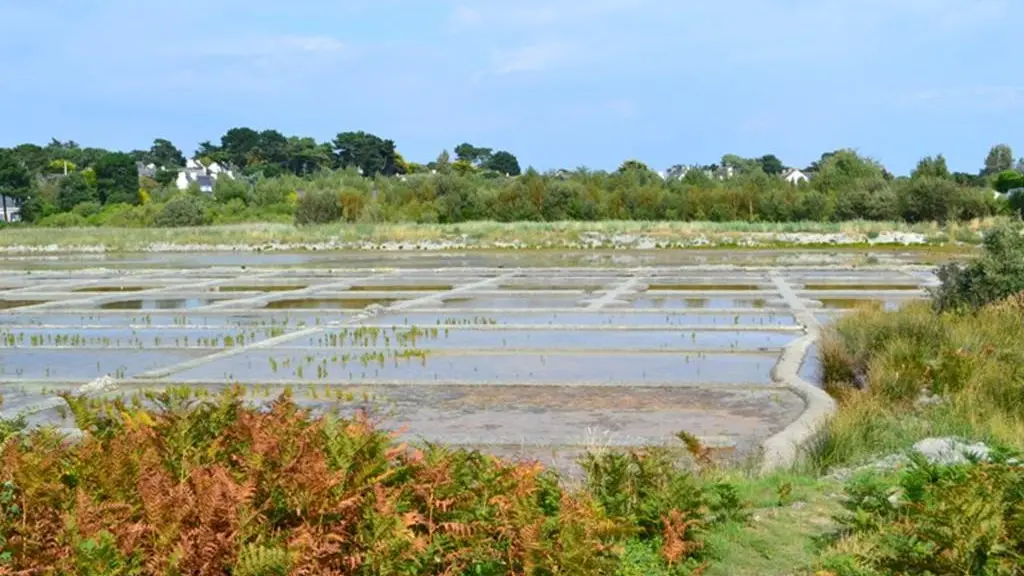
point(361, 177)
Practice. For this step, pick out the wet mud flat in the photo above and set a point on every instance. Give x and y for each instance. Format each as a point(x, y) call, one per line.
point(539, 361)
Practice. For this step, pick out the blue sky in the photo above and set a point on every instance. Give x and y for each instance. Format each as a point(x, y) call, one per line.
point(560, 83)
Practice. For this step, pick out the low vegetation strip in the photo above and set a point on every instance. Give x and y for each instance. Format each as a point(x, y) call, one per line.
point(495, 235)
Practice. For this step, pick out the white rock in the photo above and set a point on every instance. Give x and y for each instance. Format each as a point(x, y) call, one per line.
point(951, 450)
point(102, 384)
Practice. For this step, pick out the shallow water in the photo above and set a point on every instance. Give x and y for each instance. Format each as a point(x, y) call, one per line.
point(607, 317)
point(673, 303)
point(9, 304)
point(259, 287)
point(684, 369)
point(488, 366)
point(84, 365)
point(327, 303)
point(540, 339)
point(158, 304)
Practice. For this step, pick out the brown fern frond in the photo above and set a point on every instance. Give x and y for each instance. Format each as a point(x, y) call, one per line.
point(677, 544)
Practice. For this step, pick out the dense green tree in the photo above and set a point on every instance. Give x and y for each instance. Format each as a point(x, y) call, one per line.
point(72, 152)
point(370, 153)
point(633, 166)
point(237, 146)
point(698, 176)
point(272, 148)
point(503, 162)
point(928, 198)
point(165, 177)
point(472, 154)
point(15, 180)
point(73, 190)
point(739, 164)
point(35, 158)
point(932, 167)
point(165, 155)
point(965, 179)
point(999, 159)
point(117, 179)
point(846, 170)
point(1008, 180)
point(771, 164)
point(207, 149)
point(306, 156)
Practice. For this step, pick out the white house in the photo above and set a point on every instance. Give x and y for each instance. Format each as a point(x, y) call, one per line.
point(794, 176)
point(203, 176)
point(13, 209)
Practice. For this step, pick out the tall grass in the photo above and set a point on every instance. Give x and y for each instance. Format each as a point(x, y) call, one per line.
point(527, 233)
point(903, 376)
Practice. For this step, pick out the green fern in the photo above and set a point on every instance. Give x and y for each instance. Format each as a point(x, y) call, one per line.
point(256, 560)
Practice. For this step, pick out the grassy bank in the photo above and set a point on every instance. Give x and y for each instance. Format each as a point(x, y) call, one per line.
point(481, 234)
point(922, 374)
point(953, 368)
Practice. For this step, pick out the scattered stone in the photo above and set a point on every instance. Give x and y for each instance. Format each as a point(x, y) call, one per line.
point(946, 451)
point(100, 385)
point(589, 239)
point(951, 450)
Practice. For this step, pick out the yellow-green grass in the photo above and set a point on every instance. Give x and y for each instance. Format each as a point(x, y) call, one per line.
point(482, 234)
point(919, 375)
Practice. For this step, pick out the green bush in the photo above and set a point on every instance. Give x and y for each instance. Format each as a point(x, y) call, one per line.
point(63, 220)
point(928, 198)
point(995, 275)
point(74, 189)
point(126, 215)
point(182, 210)
point(87, 209)
point(936, 519)
point(318, 207)
point(1016, 202)
point(226, 190)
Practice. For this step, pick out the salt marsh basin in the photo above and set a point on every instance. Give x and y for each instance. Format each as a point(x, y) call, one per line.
point(514, 356)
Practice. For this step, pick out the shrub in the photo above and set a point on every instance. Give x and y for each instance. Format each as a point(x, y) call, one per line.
point(937, 519)
point(182, 210)
point(200, 485)
point(126, 215)
point(74, 189)
point(63, 220)
point(998, 273)
point(318, 207)
point(929, 199)
point(1015, 201)
point(87, 209)
point(226, 189)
